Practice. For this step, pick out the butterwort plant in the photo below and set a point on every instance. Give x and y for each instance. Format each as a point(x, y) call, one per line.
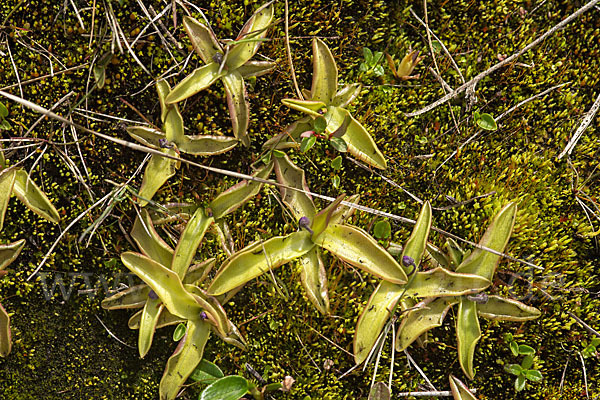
point(326, 107)
point(318, 230)
point(474, 303)
point(172, 140)
point(229, 62)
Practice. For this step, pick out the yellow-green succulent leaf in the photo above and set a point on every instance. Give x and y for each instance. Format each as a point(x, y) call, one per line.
point(459, 390)
point(165, 318)
point(421, 320)
point(207, 145)
point(163, 89)
point(215, 313)
point(7, 180)
point(362, 146)
point(455, 252)
point(356, 247)
point(440, 282)
point(482, 262)
point(346, 95)
point(32, 196)
point(157, 172)
point(498, 308)
point(147, 325)
point(416, 244)
point(323, 218)
point(9, 252)
point(310, 107)
point(149, 241)
point(189, 241)
point(185, 359)
point(239, 110)
point(378, 310)
point(197, 81)
point(246, 265)
point(173, 125)
point(256, 68)
point(468, 334)
point(165, 283)
point(291, 136)
point(251, 34)
point(234, 197)
point(314, 280)
point(325, 73)
point(145, 135)
point(203, 39)
point(437, 256)
point(197, 273)
point(343, 212)
point(133, 297)
point(300, 204)
point(5, 334)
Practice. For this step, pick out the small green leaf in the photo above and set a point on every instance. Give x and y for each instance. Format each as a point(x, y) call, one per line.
point(437, 47)
point(307, 143)
point(5, 333)
point(271, 387)
point(514, 348)
point(3, 110)
point(368, 54)
point(133, 297)
point(487, 122)
point(99, 76)
point(520, 383)
point(310, 107)
point(339, 144)
point(595, 342)
point(527, 362)
point(533, 375)
point(336, 163)
point(9, 252)
point(206, 145)
point(157, 172)
point(498, 308)
point(377, 57)
point(335, 181)
point(378, 70)
point(206, 372)
point(320, 124)
point(382, 230)
point(7, 180)
point(203, 39)
point(179, 332)
point(526, 350)
point(278, 153)
point(228, 388)
point(4, 125)
point(363, 67)
point(514, 369)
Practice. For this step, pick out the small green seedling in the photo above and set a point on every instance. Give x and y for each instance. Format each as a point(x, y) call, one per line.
point(485, 121)
point(371, 64)
point(590, 349)
point(382, 230)
point(524, 371)
point(233, 387)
